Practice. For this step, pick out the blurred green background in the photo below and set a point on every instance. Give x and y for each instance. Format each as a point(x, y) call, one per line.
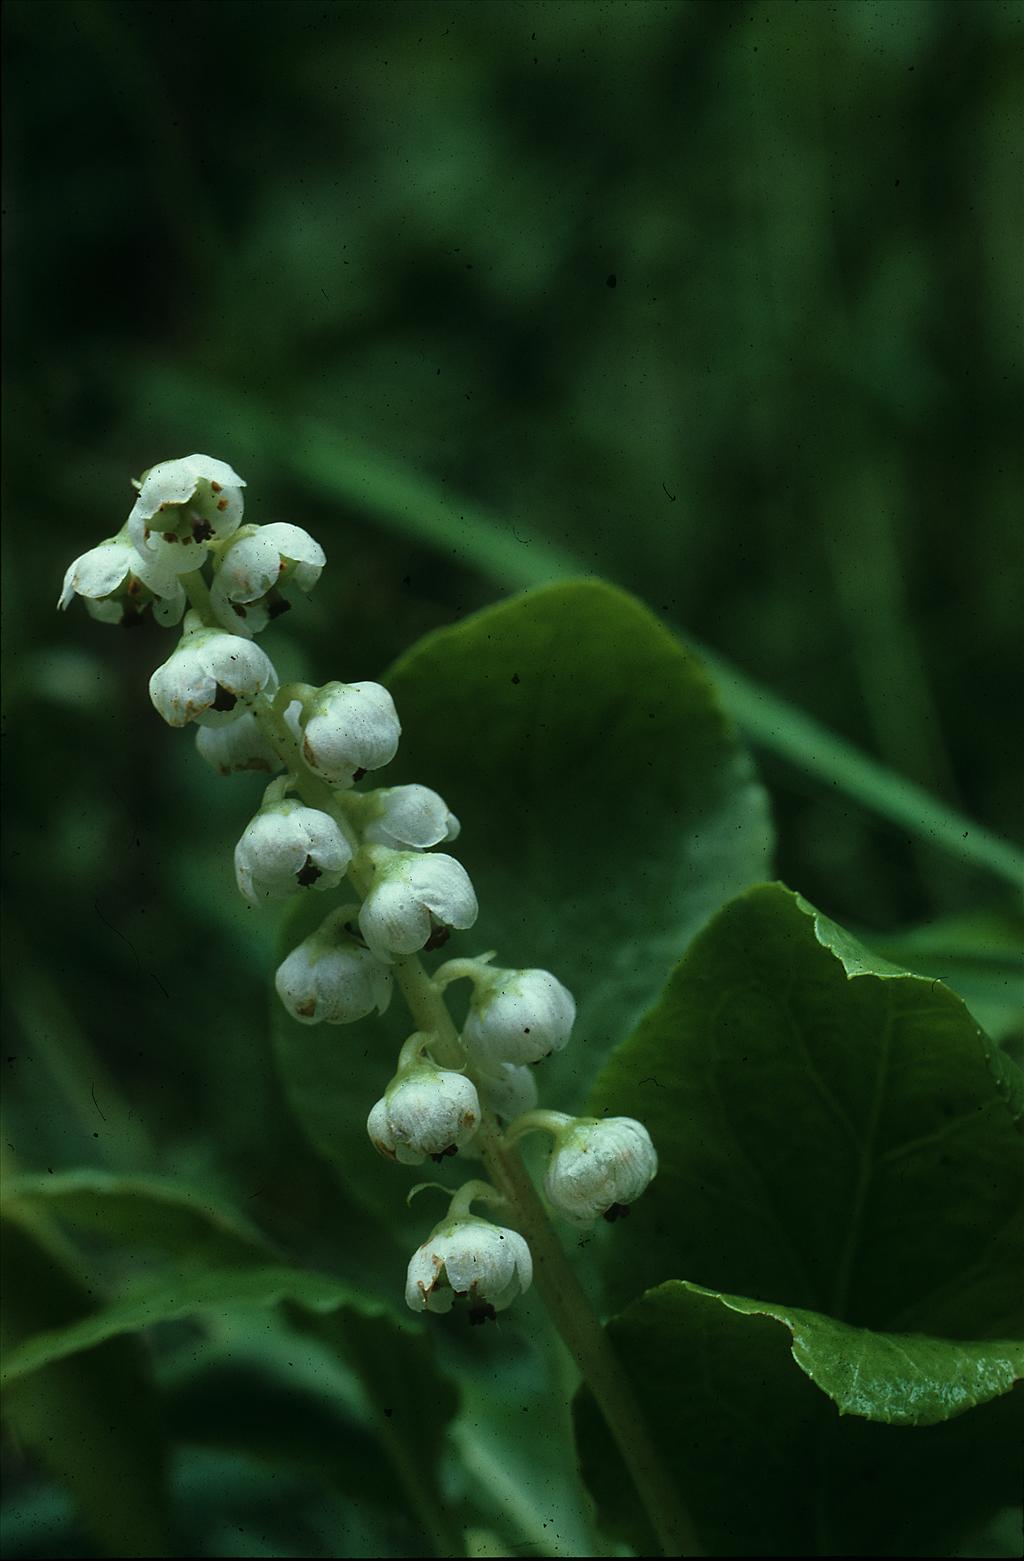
point(719, 300)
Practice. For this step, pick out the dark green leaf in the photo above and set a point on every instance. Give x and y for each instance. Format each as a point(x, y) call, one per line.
point(144, 1212)
point(833, 1133)
point(250, 1410)
point(91, 1420)
point(770, 1465)
point(411, 1406)
point(169, 1297)
point(900, 1379)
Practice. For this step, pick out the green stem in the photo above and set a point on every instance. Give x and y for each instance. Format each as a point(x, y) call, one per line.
point(199, 596)
point(537, 1122)
point(592, 1350)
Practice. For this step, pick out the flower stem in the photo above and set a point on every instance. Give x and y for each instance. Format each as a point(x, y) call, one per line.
point(564, 1297)
point(199, 596)
point(590, 1347)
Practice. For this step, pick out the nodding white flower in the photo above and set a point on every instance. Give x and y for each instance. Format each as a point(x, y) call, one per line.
point(330, 978)
point(469, 1257)
point(413, 901)
point(288, 847)
point(517, 1016)
point(207, 676)
point(254, 565)
point(349, 728)
point(239, 746)
point(117, 583)
point(425, 1110)
point(599, 1168)
point(409, 817)
point(508, 1091)
point(181, 505)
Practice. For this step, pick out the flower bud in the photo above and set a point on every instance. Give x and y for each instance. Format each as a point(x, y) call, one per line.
point(413, 900)
point(599, 1168)
point(330, 978)
point(253, 567)
point(413, 817)
point(348, 727)
point(288, 847)
point(117, 584)
point(517, 1016)
point(469, 1257)
point(207, 676)
point(425, 1110)
point(508, 1091)
point(183, 504)
point(239, 746)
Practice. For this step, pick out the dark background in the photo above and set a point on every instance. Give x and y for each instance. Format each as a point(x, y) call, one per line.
point(721, 300)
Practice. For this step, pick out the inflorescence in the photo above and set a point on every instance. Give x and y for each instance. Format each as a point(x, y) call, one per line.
point(378, 845)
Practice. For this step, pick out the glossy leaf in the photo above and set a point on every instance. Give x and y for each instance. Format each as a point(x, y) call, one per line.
point(728, 1386)
point(840, 1149)
point(900, 1379)
point(833, 1134)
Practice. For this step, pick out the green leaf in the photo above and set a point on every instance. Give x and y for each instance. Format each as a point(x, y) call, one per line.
point(410, 1403)
point(607, 809)
point(170, 1297)
point(901, 1379)
point(253, 1409)
point(766, 1401)
point(832, 1133)
point(247, 1409)
point(91, 1420)
point(143, 1211)
point(979, 954)
point(838, 1136)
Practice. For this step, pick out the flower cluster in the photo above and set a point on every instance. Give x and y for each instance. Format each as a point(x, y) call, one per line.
point(452, 1090)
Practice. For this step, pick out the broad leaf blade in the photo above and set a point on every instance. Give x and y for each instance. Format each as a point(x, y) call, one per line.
point(897, 1378)
point(734, 1409)
point(833, 1134)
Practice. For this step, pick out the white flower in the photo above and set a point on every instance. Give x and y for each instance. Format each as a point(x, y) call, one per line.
point(181, 505)
point(254, 565)
point(239, 746)
point(207, 675)
point(469, 1257)
point(517, 1016)
point(349, 728)
point(287, 847)
point(117, 582)
point(413, 900)
point(425, 1110)
point(598, 1168)
point(329, 978)
point(508, 1091)
point(410, 816)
